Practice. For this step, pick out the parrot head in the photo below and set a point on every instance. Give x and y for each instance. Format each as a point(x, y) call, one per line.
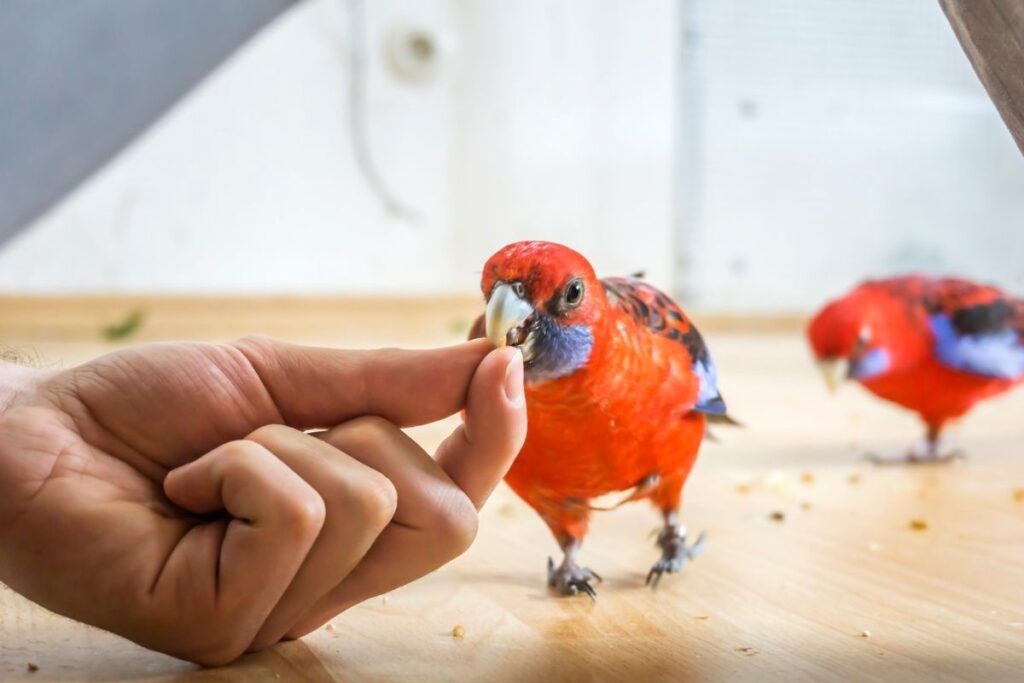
point(862, 336)
point(545, 299)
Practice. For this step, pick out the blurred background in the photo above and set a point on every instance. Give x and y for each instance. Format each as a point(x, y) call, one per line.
point(336, 172)
point(752, 157)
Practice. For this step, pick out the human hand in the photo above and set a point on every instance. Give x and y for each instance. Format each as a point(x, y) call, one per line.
point(170, 494)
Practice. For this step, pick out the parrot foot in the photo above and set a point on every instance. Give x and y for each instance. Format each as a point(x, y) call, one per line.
point(918, 456)
point(571, 579)
point(926, 452)
point(675, 553)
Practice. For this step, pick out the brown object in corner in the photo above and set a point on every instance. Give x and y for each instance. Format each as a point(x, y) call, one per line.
point(992, 34)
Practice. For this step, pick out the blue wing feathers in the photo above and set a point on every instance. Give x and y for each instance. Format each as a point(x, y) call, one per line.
point(991, 352)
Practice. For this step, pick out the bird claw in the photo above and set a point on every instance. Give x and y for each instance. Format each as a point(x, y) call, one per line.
point(571, 579)
point(675, 555)
point(915, 457)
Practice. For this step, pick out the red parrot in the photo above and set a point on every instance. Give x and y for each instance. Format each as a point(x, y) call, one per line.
point(934, 345)
point(618, 387)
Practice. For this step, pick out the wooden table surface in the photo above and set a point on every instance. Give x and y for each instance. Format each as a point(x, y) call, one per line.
point(841, 589)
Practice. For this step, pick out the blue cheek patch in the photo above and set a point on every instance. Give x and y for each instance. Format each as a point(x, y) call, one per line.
point(992, 354)
point(558, 351)
point(872, 364)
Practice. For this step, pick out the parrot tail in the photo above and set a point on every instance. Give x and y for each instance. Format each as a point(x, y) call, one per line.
point(724, 419)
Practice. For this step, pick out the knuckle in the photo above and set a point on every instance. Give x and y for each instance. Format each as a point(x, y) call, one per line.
point(305, 514)
point(268, 433)
point(455, 523)
point(256, 344)
point(376, 497)
point(217, 655)
point(368, 429)
point(216, 647)
point(240, 450)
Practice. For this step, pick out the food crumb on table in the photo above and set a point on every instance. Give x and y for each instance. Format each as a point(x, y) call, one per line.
point(918, 525)
point(777, 516)
point(459, 631)
point(32, 667)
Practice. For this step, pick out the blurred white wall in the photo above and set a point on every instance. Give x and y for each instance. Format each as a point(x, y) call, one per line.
point(750, 156)
point(826, 141)
point(542, 120)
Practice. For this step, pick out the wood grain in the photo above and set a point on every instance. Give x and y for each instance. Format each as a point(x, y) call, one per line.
point(769, 601)
point(992, 34)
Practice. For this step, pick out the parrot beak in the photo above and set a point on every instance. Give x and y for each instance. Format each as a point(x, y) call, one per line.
point(505, 316)
point(834, 370)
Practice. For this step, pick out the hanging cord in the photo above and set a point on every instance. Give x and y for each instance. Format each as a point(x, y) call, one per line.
point(357, 116)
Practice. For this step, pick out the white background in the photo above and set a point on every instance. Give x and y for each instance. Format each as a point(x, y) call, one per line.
point(749, 156)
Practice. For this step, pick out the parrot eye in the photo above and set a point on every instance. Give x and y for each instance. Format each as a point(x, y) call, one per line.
point(574, 293)
point(862, 342)
point(518, 288)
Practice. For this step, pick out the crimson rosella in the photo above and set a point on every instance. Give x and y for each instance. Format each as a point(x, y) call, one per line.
point(934, 345)
point(619, 385)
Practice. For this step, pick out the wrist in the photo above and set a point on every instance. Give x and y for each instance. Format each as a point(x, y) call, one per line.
point(15, 382)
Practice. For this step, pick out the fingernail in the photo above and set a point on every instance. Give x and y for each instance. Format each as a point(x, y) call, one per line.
point(514, 379)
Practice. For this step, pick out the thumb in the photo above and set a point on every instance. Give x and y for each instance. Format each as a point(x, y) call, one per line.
point(478, 453)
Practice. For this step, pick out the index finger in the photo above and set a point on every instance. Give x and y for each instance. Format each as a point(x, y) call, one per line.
point(320, 387)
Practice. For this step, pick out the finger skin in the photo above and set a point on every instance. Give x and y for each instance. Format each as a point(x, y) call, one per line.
point(319, 387)
point(137, 439)
point(426, 494)
point(359, 503)
point(433, 522)
point(436, 519)
point(140, 404)
point(276, 518)
point(480, 452)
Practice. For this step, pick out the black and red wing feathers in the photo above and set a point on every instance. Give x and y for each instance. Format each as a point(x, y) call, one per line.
point(654, 310)
point(977, 328)
point(973, 308)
